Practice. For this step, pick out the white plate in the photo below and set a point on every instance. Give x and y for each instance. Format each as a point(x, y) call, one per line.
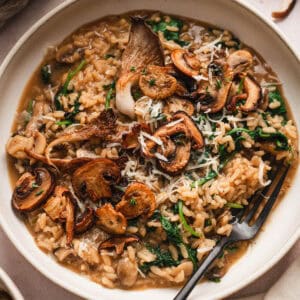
point(282, 229)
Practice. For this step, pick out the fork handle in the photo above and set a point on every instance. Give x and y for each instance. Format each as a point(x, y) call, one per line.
point(190, 284)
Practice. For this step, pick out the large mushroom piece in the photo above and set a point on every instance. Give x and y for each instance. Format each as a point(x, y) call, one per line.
point(143, 49)
point(156, 83)
point(32, 189)
point(60, 207)
point(138, 200)
point(186, 62)
point(175, 141)
point(110, 220)
point(118, 242)
point(94, 179)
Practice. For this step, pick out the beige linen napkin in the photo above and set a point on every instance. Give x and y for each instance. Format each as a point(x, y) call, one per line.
point(287, 287)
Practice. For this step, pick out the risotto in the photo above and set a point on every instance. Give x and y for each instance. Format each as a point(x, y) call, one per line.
point(137, 140)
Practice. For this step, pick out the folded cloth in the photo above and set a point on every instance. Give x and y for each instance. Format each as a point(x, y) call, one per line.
point(287, 287)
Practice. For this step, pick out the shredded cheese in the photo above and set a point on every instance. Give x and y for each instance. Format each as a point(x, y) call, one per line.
point(261, 174)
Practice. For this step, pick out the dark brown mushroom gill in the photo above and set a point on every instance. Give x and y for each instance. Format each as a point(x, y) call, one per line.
point(143, 49)
point(32, 189)
point(94, 179)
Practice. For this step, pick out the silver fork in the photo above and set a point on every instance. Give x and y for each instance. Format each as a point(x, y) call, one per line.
point(243, 229)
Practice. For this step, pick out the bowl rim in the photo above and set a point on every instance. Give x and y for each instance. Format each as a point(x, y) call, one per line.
point(10, 285)
point(73, 289)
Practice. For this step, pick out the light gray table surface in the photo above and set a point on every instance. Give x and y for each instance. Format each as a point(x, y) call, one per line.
point(34, 285)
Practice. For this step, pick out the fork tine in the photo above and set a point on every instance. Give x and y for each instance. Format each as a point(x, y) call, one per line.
point(265, 212)
point(258, 199)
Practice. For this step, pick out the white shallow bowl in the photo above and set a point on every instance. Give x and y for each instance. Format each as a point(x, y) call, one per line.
point(8, 285)
point(282, 229)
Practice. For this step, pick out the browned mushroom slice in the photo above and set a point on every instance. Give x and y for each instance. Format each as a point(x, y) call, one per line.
point(110, 220)
point(194, 131)
point(220, 100)
point(130, 139)
point(68, 54)
point(142, 50)
point(138, 200)
point(118, 242)
point(85, 221)
point(186, 62)
point(239, 61)
point(32, 189)
point(164, 131)
point(175, 104)
point(179, 160)
point(288, 5)
point(156, 83)
point(94, 179)
point(60, 207)
point(253, 90)
point(232, 104)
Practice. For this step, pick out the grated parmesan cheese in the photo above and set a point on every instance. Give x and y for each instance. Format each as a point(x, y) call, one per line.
point(261, 174)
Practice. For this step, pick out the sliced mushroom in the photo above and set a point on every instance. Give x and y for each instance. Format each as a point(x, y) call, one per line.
point(288, 5)
point(56, 204)
point(232, 105)
point(253, 91)
point(127, 272)
point(186, 62)
point(142, 50)
point(138, 200)
point(162, 132)
point(60, 207)
point(85, 221)
point(64, 164)
point(175, 104)
point(177, 154)
point(156, 83)
point(130, 139)
point(118, 242)
point(68, 54)
point(94, 179)
point(110, 220)
point(32, 190)
point(219, 102)
point(239, 61)
point(194, 131)
point(17, 144)
point(179, 160)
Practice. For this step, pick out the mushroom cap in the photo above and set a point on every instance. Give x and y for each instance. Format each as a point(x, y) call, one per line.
point(110, 220)
point(94, 178)
point(186, 62)
point(239, 61)
point(253, 90)
point(60, 207)
point(220, 100)
point(118, 242)
point(138, 200)
point(175, 104)
point(32, 189)
point(194, 131)
point(156, 83)
point(180, 160)
point(85, 221)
